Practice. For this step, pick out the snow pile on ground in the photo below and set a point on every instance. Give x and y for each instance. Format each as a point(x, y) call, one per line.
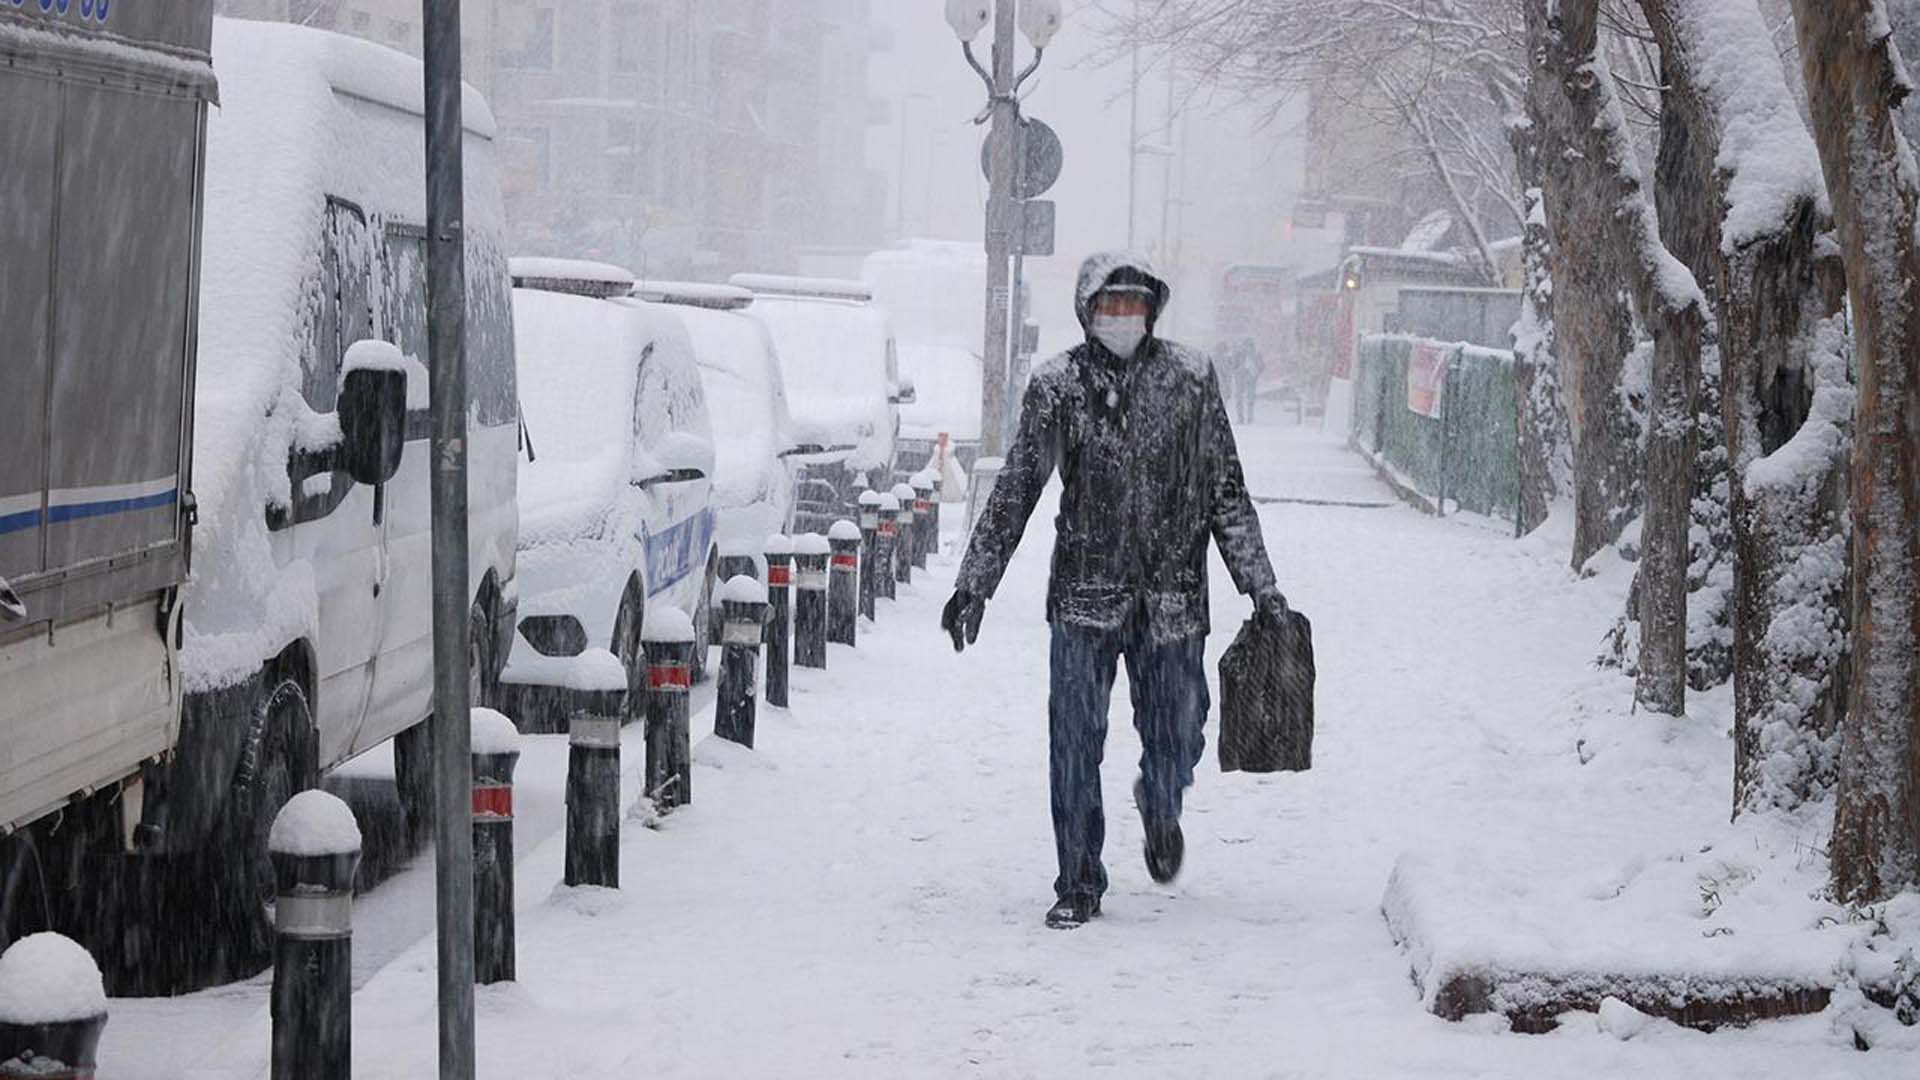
point(314, 823)
point(49, 979)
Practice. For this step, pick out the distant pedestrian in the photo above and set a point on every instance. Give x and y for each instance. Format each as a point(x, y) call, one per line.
point(1138, 430)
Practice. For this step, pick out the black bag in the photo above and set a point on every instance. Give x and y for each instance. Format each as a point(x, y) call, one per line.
point(1266, 696)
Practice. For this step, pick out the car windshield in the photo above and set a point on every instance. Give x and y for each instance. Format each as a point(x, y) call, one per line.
point(830, 352)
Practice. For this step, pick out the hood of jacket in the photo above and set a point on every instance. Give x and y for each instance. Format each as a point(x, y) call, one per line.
point(1099, 269)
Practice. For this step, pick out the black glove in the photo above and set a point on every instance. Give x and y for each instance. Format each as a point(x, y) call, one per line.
point(962, 618)
point(1270, 603)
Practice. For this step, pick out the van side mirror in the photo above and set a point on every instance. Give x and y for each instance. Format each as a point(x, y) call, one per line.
point(679, 458)
point(903, 393)
point(373, 412)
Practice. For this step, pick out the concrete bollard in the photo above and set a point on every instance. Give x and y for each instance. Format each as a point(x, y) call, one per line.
point(58, 1035)
point(779, 630)
point(743, 611)
point(869, 541)
point(593, 801)
point(903, 559)
point(810, 552)
point(934, 511)
point(315, 846)
point(496, 749)
point(667, 638)
point(886, 543)
point(924, 538)
point(843, 583)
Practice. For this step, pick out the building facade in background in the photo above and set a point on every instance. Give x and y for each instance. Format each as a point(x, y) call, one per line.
point(680, 138)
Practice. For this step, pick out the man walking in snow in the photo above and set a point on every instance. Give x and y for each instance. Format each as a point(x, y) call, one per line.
point(1138, 430)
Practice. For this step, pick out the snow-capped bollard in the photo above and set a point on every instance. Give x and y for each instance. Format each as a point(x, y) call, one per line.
point(843, 583)
point(593, 801)
point(53, 1007)
point(869, 547)
point(667, 639)
point(496, 749)
point(743, 609)
point(810, 552)
point(779, 631)
point(924, 538)
point(886, 544)
point(904, 559)
point(315, 847)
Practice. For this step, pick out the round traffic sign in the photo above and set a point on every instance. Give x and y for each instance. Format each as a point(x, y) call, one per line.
point(1043, 159)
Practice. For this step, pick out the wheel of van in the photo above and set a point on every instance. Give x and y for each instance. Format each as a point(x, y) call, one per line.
point(276, 764)
point(702, 626)
point(23, 891)
point(627, 627)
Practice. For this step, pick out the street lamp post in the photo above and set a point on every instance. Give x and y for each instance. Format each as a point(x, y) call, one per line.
point(1038, 20)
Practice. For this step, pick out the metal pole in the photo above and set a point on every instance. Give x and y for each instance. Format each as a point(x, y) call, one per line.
point(1000, 223)
point(447, 405)
point(1133, 133)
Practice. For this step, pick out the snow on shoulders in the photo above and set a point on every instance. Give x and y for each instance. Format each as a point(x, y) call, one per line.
point(49, 979)
point(667, 626)
point(743, 589)
point(493, 733)
point(778, 544)
point(314, 823)
point(843, 530)
point(372, 354)
point(811, 544)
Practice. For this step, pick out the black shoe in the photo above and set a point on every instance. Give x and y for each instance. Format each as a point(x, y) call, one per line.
point(1070, 912)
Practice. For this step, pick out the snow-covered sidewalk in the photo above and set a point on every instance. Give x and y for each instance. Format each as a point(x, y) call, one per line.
point(862, 894)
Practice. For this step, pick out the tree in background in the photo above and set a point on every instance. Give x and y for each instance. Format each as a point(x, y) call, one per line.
point(1856, 85)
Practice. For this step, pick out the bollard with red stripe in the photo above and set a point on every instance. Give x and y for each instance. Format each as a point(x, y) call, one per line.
point(593, 801)
point(886, 543)
point(667, 639)
point(924, 539)
point(779, 630)
point(903, 559)
point(496, 749)
point(810, 553)
point(843, 583)
point(869, 547)
point(314, 846)
point(743, 613)
point(48, 1038)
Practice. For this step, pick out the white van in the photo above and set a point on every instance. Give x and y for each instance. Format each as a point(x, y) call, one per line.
point(617, 515)
point(308, 621)
point(843, 384)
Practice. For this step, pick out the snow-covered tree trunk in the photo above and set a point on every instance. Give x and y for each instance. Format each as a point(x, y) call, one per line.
point(1672, 309)
point(1785, 401)
point(1593, 328)
point(1855, 85)
point(1540, 414)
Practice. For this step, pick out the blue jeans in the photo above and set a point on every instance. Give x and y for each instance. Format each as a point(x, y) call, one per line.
point(1170, 702)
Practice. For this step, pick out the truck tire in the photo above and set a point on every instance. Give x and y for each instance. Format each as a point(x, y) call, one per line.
point(23, 891)
point(276, 764)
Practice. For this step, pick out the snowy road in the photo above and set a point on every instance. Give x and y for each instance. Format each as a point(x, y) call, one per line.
point(862, 895)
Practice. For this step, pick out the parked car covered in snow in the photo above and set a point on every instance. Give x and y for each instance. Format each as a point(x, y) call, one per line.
point(946, 382)
point(308, 620)
point(754, 448)
point(843, 384)
point(616, 493)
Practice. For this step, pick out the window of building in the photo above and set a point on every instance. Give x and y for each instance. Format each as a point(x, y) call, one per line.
point(526, 39)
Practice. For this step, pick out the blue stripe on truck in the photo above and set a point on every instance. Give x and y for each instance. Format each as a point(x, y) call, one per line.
point(27, 519)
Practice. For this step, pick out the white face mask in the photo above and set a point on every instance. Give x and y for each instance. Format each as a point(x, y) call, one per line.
point(1121, 334)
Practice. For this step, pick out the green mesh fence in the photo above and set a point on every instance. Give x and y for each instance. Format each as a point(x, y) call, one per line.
point(1467, 455)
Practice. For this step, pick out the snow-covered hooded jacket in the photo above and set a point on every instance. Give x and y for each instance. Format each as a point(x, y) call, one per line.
point(1148, 471)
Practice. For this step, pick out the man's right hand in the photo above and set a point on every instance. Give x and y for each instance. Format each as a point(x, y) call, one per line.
point(962, 617)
